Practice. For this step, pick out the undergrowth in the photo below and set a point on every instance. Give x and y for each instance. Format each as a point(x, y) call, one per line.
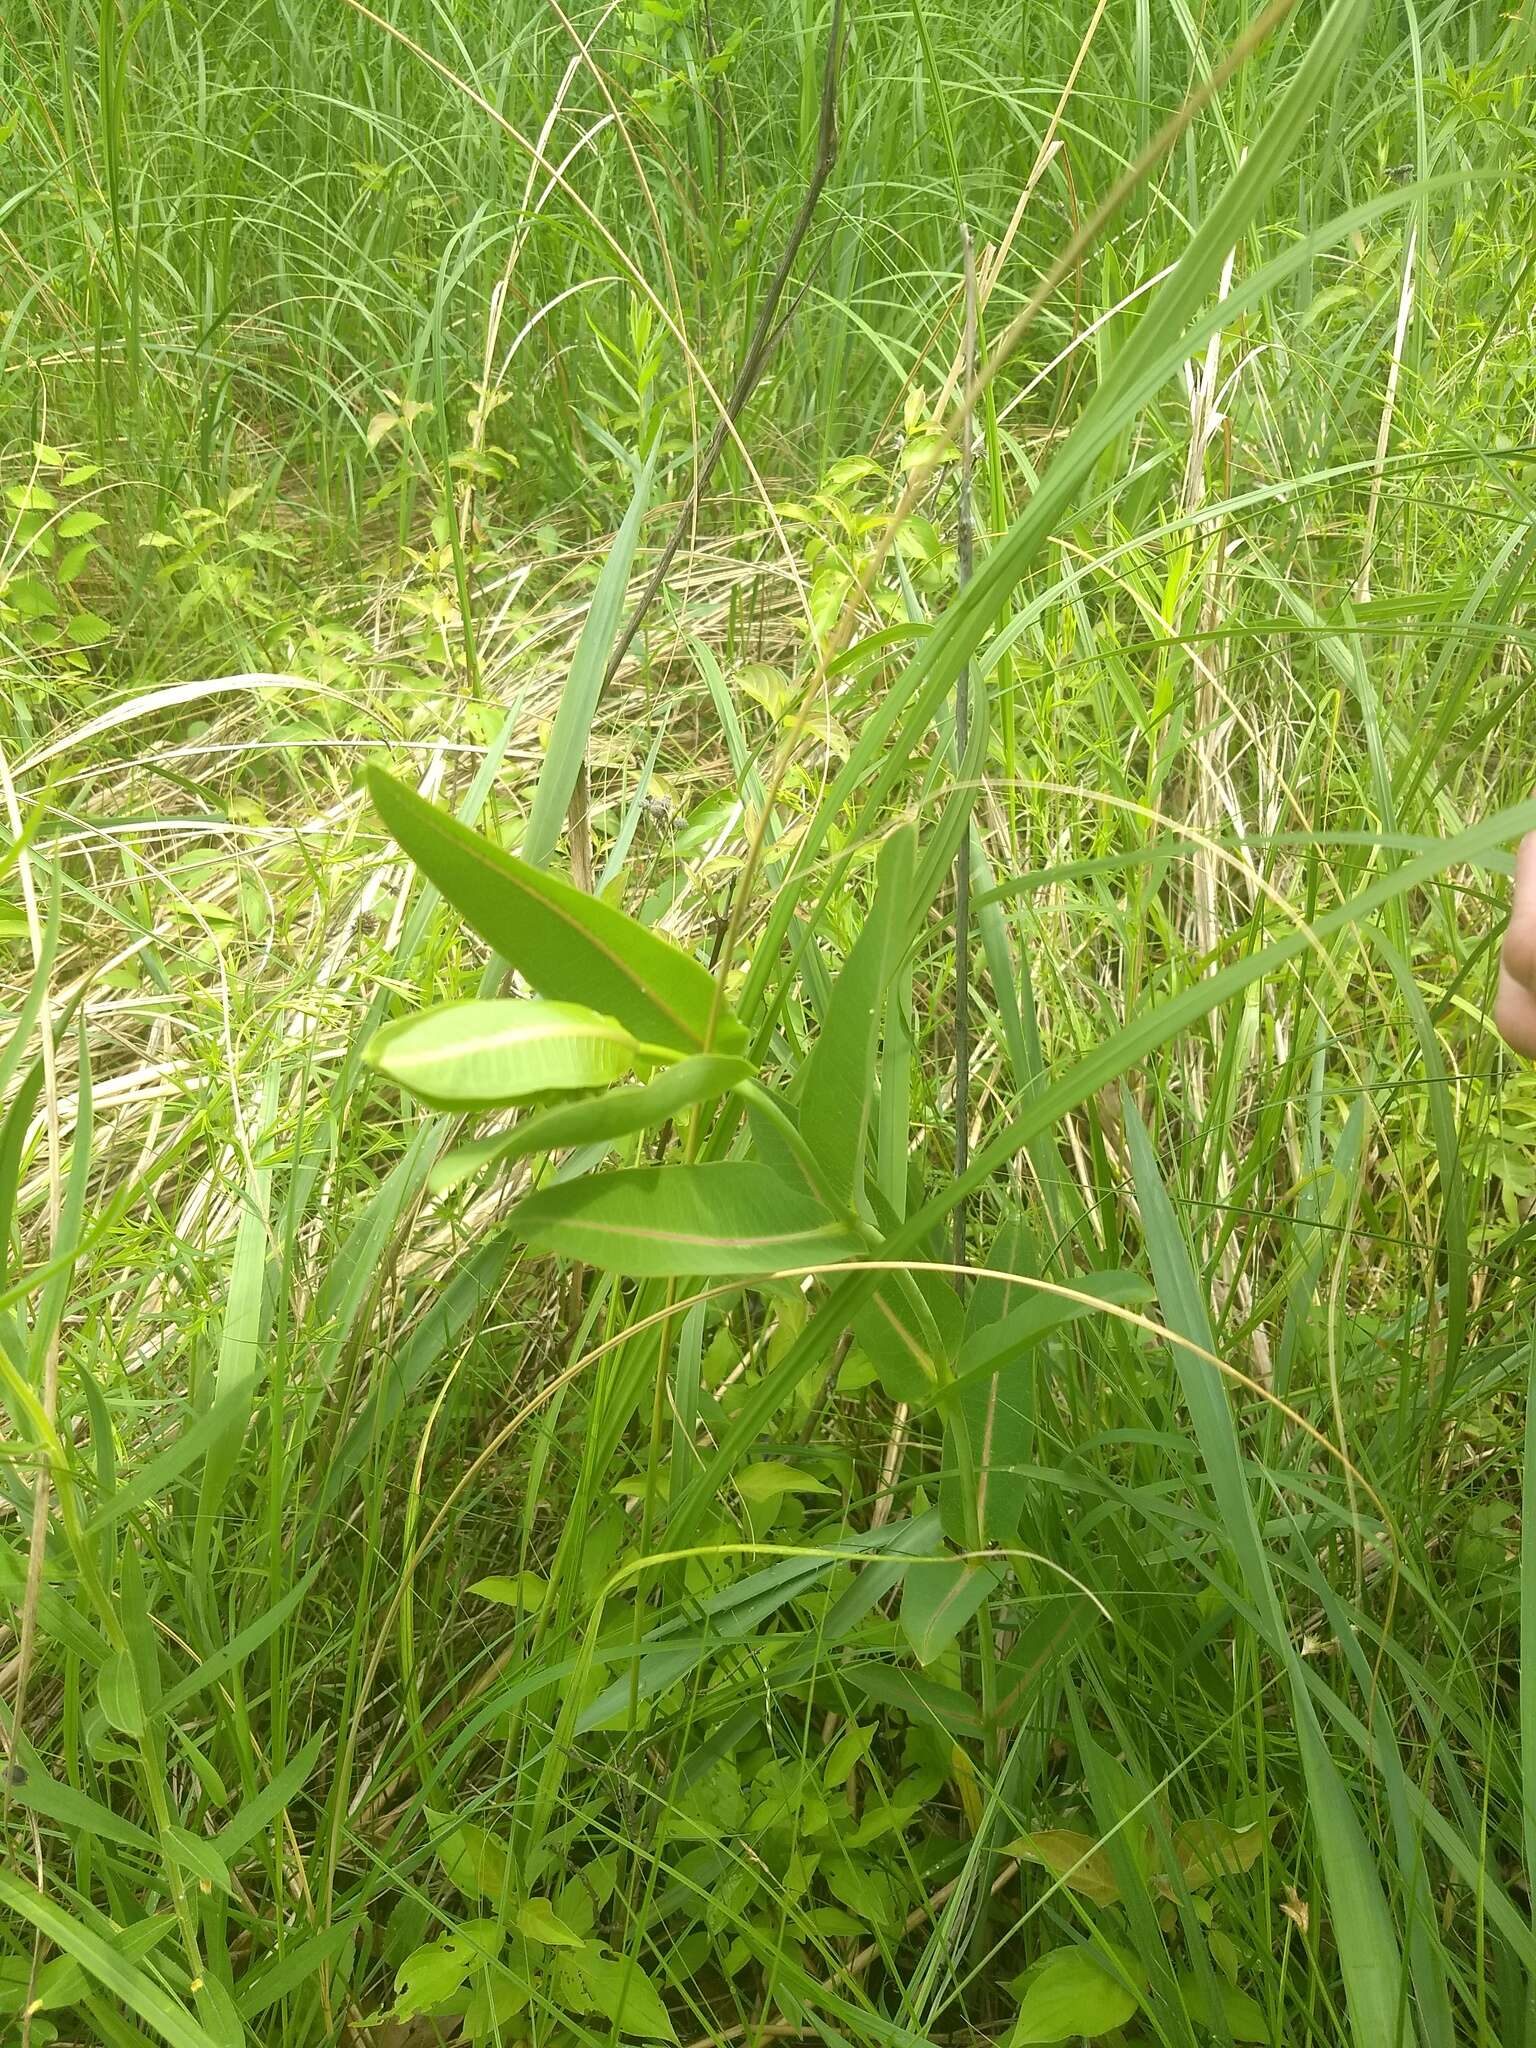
point(822, 1333)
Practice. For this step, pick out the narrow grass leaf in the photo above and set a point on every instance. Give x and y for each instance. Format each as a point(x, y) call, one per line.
point(584, 681)
point(103, 1961)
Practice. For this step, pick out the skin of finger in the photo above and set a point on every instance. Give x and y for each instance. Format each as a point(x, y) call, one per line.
point(1520, 940)
point(1514, 1013)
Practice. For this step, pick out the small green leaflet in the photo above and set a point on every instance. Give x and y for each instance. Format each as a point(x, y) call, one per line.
point(662, 1222)
point(482, 1055)
point(567, 945)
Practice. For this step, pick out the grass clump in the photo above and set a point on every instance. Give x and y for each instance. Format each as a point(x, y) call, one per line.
point(523, 1517)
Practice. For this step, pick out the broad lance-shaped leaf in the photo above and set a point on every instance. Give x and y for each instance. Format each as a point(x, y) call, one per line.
point(662, 1222)
point(601, 1119)
point(481, 1055)
point(569, 946)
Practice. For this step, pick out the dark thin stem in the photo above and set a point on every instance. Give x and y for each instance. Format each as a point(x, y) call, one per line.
point(765, 335)
point(963, 551)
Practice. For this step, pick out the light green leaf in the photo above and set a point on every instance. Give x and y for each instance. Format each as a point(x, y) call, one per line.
point(937, 1600)
point(614, 1115)
point(86, 629)
point(526, 1591)
point(537, 1920)
point(584, 681)
point(74, 524)
point(117, 1690)
point(664, 1221)
point(1074, 1994)
point(198, 1856)
point(569, 946)
point(838, 1089)
point(480, 1055)
point(472, 1859)
point(591, 1980)
point(767, 1481)
point(1077, 1859)
point(1208, 1849)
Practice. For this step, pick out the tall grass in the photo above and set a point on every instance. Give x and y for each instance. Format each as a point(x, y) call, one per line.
point(379, 1586)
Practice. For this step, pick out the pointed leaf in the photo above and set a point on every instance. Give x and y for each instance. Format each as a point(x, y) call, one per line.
point(569, 946)
point(537, 1920)
point(584, 682)
point(659, 1222)
point(617, 1114)
point(104, 1961)
point(480, 1055)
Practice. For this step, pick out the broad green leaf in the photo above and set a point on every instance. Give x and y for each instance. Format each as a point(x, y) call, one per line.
point(614, 1115)
point(478, 1055)
point(1076, 1858)
point(767, 1481)
point(537, 1920)
point(439, 1970)
point(568, 946)
point(1074, 1994)
point(117, 1690)
point(106, 1963)
point(937, 1600)
point(838, 1088)
point(591, 1980)
point(659, 1222)
point(474, 1861)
